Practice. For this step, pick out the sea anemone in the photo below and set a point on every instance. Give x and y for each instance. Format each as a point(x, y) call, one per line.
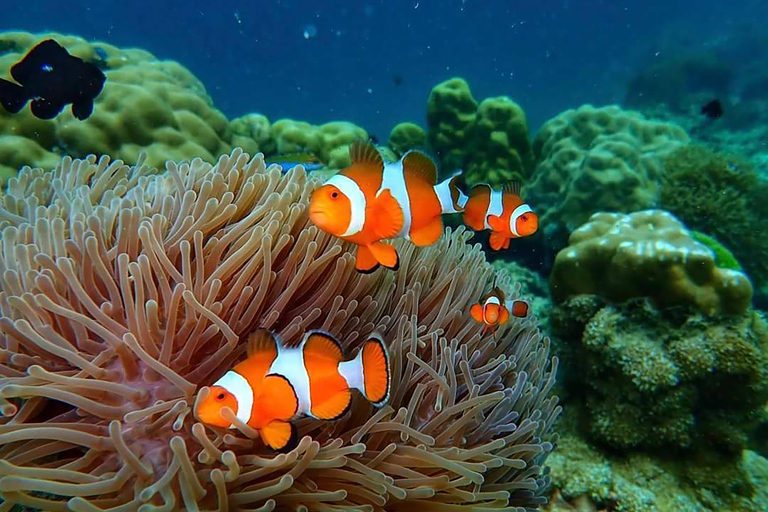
point(124, 292)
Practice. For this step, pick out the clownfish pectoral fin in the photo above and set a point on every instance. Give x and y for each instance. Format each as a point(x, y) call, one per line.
point(477, 312)
point(386, 255)
point(388, 216)
point(428, 234)
point(496, 223)
point(497, 241)
point(364, 152)
point(376, 371)
point(365, 263)
point(416, 163)
point(503, 316)
point(281, 436)
point(330, 393)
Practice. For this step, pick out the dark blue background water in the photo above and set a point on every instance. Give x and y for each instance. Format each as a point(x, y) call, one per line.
point(253, 56)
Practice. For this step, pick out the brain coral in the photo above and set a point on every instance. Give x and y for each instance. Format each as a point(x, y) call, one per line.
point(146, 105)
point(646, 254)
point(597, 159)
point(123, 292)
point(651, 380)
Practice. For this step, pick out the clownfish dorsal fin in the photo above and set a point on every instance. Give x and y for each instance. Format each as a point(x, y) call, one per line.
point(498, 292)
point(362, 152)
point(479, 189)
point(261, 341)
point(420, 164)
point(321, 343)
point(513, 187)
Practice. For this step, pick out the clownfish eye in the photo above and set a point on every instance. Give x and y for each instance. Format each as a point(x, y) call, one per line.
point(524, 217)
point(220, 397)
point(334, 195)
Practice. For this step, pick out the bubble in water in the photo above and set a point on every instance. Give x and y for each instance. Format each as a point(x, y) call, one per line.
point(310, 31)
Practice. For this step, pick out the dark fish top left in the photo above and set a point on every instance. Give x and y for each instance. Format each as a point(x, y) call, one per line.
point(52, 78)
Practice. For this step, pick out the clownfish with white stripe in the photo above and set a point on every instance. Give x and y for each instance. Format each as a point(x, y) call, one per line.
point(502, 211)
point(277, 384)
point(493, 310)
point(371, 201)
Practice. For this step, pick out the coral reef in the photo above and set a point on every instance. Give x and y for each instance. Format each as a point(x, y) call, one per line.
point(585, 478)
point(489, 141)
point(722, 196)
point(146, 105)
point(652, 379)
point(646, 254)
point(124, 291)
point(330, 141)
point(597, 159)
point(405, 136)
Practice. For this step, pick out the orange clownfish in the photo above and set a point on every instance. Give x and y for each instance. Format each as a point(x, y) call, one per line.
point(277, 384)
point(502, 211)
point(494, 311)
point(371, 201)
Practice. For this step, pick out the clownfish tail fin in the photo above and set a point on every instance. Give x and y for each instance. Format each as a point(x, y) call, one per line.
point(369, 372)
point(452, 199)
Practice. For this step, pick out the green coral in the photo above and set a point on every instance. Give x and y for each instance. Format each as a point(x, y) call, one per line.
point(501, 150)
point(653, 380)
point(406, 136)
point(489, 141)
point(723, 257)
point(722, 196)
point(451, 111)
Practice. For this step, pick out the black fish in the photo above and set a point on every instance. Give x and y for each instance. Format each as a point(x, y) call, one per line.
point(713, 109)
point(52, 78)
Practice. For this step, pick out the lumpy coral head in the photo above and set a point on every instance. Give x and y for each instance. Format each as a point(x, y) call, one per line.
point(646, 254)
point(125, 292)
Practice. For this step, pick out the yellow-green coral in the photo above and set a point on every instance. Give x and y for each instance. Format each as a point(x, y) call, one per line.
point(488, 141)
point(329, 141)
point(646, 254)
point(499, 149)
point(405, 136)
point(158, 106)
point(597, 159)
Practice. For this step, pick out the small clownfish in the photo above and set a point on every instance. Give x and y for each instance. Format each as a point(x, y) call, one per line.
point(277, 384)
point(494, 311)
point(371, 201)
point(502, 211)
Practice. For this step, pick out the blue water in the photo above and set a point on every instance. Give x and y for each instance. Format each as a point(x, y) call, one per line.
point(254, 56)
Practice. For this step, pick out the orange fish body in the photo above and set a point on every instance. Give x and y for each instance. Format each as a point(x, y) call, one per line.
point(277, 384)
point(502, 211)
point(494, 311)
point(371, 201)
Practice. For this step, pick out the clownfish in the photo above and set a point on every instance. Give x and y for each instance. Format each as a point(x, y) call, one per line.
point(277, 384)
point(371, 201)
point(502, 211)
point(494, 311)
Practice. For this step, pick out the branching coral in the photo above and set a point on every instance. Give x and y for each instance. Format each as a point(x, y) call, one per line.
point(124, 292)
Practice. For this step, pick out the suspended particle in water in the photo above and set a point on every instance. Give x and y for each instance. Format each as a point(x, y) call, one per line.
point(310, 31)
